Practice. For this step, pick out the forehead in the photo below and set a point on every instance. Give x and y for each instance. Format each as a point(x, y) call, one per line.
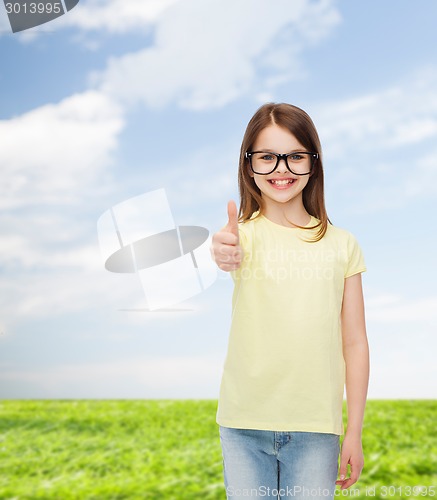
point(277, 139)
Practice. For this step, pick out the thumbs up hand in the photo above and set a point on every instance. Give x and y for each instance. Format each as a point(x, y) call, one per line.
point(225, 248)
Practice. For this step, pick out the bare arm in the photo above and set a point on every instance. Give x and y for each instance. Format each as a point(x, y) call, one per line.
point(356, 355)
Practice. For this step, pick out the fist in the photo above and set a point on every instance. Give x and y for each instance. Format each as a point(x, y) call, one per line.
point(225, 249)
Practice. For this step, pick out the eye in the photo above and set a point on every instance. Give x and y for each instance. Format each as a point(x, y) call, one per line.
point(296, 157)
point(268, 157)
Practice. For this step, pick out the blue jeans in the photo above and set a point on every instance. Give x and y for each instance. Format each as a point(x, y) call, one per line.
point(279, 464)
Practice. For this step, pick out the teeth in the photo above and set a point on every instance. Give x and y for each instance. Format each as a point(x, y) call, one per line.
point(282, 183)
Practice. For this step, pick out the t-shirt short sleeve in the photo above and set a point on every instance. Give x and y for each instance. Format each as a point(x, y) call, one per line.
point(355, 258)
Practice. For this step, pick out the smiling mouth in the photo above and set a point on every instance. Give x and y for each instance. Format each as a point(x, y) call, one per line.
point(282, 182)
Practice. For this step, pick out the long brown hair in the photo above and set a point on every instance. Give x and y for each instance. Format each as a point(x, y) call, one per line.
point(296, 121)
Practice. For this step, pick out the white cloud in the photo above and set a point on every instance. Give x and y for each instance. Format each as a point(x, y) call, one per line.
point(404, 375)
point(381, 147)
point(50, 152)
point(116, 16)
point(111, 16)
point(206, 54)
point(424, 181)
point(402, 341)
point(402, 115)
point(396, 309)
point(159, 377)
point(66, 288)
point(53, 164)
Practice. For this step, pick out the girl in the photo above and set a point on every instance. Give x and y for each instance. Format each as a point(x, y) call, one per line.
point(298, 330)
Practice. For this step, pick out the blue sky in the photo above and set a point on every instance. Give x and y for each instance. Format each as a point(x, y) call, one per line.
point(122, 97)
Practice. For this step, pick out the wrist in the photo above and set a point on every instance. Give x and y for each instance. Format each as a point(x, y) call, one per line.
point(353, 432)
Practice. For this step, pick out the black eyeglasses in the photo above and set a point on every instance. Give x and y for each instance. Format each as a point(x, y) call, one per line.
point(266, 162)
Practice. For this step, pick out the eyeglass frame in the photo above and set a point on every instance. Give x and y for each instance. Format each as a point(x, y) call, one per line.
point(279, 157)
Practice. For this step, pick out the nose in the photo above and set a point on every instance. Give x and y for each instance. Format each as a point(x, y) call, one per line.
point(285, 166)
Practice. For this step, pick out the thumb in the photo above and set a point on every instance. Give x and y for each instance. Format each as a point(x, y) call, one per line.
point(232, 225)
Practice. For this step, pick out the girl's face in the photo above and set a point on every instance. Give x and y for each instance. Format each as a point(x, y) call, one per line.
point(276, 139)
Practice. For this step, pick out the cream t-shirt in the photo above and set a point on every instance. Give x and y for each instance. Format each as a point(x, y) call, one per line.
point(284, 368)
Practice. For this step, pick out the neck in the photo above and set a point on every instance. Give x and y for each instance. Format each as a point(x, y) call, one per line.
point(293, 210)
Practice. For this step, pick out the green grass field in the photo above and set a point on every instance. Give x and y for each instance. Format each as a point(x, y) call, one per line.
point(159, 449)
